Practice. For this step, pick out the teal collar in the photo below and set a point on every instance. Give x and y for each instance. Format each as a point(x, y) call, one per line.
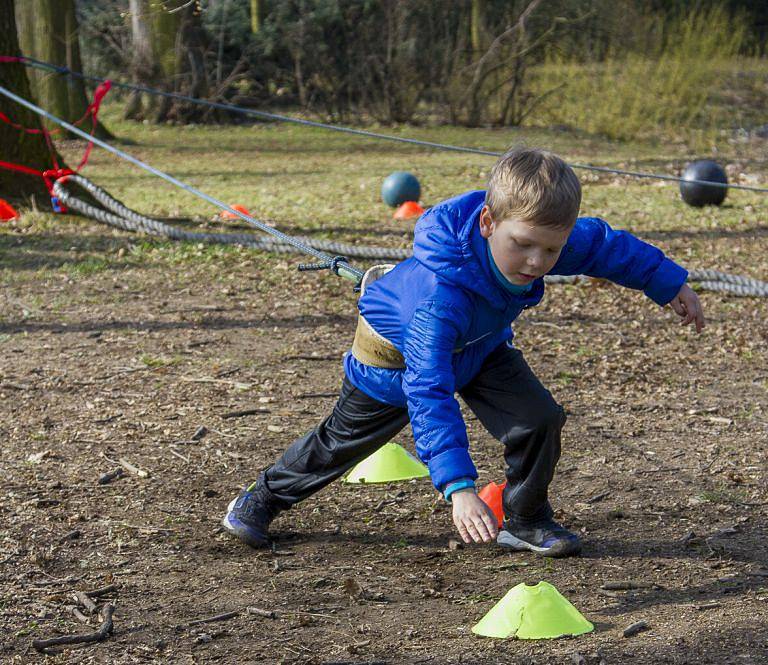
point(516, 289)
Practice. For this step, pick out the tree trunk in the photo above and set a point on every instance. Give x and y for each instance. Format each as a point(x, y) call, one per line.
point(257, 18)
point(48, 31)
point(477, 26)
point(15, 146)
point(169, 44)
point(144, 70)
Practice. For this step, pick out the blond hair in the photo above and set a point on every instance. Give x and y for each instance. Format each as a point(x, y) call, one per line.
point(534, 185)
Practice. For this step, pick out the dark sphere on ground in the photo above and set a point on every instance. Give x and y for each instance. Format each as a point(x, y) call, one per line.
point(696, 194)
point(399, 187)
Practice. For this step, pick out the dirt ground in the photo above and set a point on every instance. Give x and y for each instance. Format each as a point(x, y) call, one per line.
point(663, 472)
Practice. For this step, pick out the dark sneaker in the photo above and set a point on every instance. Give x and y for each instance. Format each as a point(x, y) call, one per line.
point(250, 514)
point(547, 538)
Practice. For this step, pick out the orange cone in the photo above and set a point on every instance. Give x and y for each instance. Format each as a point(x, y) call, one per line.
point(492, 494)
point(408, 210)
point(225, 214)
point(7, 212)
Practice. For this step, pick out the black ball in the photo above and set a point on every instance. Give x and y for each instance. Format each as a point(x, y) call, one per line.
point(696, 194)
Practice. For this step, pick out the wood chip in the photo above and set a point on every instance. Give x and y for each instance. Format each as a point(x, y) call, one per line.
point(102, 591)
point(626, 585)
point(269, 614)
point(635, 628)
point(130, 468)
point(708, 606)
point(83, 599)
point(109, 476)
point(243, 413)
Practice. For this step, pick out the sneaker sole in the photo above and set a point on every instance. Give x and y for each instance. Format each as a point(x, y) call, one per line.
point(562, 549)
point(225, 520)
point(229, 528)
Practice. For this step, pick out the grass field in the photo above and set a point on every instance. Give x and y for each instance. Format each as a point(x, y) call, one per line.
point(120, 347)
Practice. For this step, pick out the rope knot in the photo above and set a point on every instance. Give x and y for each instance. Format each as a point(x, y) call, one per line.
point(332, 265)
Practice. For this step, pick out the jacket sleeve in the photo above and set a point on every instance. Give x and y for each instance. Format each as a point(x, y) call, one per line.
point(596, 250)
point(429, 385)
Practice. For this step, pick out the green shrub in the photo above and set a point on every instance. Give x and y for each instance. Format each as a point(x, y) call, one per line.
point(667, 86)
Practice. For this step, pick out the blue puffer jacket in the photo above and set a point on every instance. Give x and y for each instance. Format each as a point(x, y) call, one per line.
point(446, 297)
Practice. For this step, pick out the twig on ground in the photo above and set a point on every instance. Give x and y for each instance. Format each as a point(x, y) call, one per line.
point(244, 412)
point(104, 631)
point(269, 614)
point(102, 591)
point(78, 614)
point(109, 476)
point(141, 473)
point(141, 527)
point(218, 617)
point(52, 582)
point(179, 455)
point(108, 419)
point(627, 585)
point(708, 606)
point(635, 628)
point(70, 535)
point(83, 599)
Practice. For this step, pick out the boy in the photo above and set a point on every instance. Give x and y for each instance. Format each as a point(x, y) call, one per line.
point(440, 323)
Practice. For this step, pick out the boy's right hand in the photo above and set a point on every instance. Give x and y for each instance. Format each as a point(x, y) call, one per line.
point(473, 518)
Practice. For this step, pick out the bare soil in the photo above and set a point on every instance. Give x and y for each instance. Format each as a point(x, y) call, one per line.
point(663, 472)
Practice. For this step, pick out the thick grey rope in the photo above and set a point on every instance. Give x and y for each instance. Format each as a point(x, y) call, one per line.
point(124, 218)
point(130, 220)
point(338, 264)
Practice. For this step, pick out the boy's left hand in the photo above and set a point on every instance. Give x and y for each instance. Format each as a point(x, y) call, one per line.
point(688, 306)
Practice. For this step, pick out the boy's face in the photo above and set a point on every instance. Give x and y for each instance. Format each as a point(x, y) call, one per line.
point(522, 250)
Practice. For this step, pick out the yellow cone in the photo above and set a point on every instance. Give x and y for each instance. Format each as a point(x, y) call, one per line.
point(532, 613)
point(389, 463)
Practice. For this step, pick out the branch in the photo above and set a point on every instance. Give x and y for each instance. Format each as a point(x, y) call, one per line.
point(538, 101)
point(104, 631)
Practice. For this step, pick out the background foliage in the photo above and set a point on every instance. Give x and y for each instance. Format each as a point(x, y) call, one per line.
point(617, 68)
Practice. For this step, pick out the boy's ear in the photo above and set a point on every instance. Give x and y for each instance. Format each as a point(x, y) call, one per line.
point(486, 223)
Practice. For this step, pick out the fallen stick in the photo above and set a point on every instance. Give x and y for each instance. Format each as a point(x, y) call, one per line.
point(63, 580)
point(269, 614)
point(274, 614)
point(244, 412)
point(104, 631)
point(179, 455)
point(71, 535)
point(83, 599)
point(635, 628)
point(626, 585)
point(78, 614)
point(103, 591)
point(141, 473)
point(218, 617)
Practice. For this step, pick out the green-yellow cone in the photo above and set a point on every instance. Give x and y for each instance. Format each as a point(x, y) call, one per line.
point(532, 613)
point(389, 463)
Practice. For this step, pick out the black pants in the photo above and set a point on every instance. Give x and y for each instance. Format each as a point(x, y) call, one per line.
point(507, 399)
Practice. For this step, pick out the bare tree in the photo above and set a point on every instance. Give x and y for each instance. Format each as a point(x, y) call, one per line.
point(493, 87)
point(48, 31)
point(16, 147)
point(169, 45)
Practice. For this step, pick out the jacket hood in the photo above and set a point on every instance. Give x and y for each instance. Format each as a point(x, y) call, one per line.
point(448, 242)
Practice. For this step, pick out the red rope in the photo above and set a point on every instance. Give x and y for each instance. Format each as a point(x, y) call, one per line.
point(51, 175)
